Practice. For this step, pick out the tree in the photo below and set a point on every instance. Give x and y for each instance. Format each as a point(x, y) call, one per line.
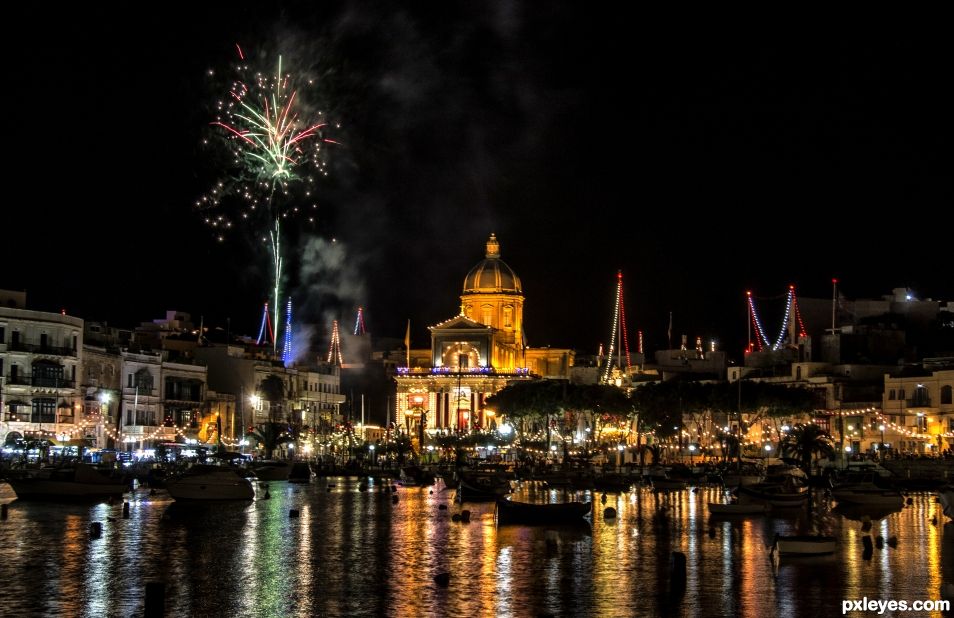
point(805, 442)
point(271, 436)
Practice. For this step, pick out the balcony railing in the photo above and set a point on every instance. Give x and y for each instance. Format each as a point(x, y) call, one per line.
point(41, 381)
point(52, 350)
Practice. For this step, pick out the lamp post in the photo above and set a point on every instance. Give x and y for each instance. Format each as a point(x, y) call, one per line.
point(881, 446)
point(692, 451)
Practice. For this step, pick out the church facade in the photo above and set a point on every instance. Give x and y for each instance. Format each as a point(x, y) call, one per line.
point(473, 355)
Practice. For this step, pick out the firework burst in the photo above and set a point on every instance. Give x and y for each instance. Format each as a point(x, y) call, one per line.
point(275, 146)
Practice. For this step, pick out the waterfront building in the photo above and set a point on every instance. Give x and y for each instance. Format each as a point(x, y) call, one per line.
point(41, 356)
point(473, 355)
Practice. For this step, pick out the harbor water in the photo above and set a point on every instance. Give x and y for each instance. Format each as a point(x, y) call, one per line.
point(350, 552)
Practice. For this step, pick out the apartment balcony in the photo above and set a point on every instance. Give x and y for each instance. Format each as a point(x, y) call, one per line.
point(49, 350)
point(40, 381)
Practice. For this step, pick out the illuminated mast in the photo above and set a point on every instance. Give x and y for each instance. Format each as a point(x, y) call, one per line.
point(359, 322)
point(287, 349)
point(334, 352)
point(265, 332)
point(619, 328)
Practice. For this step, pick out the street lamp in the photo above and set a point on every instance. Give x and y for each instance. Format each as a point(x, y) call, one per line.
point(692, 451)
point(768, 449)
point(881, 447)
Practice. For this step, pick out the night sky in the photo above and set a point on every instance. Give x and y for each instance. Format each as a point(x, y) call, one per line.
point(702, 164)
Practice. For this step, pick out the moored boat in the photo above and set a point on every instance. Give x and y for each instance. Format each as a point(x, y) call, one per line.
point(664, 483)
point(804, 545)
point(271, 470)
point(736, 508)
point(78, 482)
point(476, 487)
point(510, 512)
point(873, 496)
point(773, 495)
point(204, 482)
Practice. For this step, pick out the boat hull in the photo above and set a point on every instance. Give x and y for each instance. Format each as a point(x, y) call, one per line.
point(870, 498)
point(750, 494)
point(805, 545)
point(737, 509)
point(509, 512)
point(41, 489)
point(223, 484)
point(67, 483)
point(277, 471)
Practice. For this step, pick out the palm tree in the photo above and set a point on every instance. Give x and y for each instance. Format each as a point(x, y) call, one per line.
point(271, 436)
point(803, 443)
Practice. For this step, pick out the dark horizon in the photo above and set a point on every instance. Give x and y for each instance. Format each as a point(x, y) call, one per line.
point(702, 166)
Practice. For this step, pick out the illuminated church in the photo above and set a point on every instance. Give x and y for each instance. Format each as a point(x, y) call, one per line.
point(474, 354)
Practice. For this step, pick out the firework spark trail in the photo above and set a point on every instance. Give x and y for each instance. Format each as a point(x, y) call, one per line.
point(274, 142)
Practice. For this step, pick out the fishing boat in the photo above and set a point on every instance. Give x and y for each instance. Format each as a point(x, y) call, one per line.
point(736, 508)
point(477, 487)
point(804, 545)
point(77, 482)
point(205, 482)
point(510, 512)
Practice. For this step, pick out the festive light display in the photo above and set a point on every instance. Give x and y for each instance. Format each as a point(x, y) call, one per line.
point(791, 307)
point(287, 348)
point(334, 352)
point(265, 330)
point(359, 322)
point(619, 324)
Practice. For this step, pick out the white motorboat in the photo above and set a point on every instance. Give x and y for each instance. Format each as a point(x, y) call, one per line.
point(204, 482)
point(804, 545)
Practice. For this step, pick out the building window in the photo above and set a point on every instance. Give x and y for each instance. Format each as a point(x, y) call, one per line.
point(920, 397)
point(901, 394)
point(946, 396)
point(44, 411)
point(48, 374)
point(3, 333)
point(144, 382)
point(487, 315)
point(508, 317)
point(892, 395)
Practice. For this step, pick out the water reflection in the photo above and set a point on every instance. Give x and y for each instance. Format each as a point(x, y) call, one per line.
point(359, 553)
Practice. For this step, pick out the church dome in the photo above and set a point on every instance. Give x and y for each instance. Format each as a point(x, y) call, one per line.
point(492, 274)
